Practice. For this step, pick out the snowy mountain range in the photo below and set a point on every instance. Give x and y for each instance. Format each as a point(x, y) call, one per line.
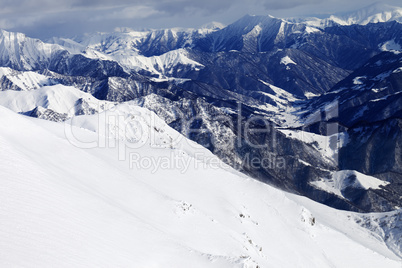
point(206, 145)
point(377, 12)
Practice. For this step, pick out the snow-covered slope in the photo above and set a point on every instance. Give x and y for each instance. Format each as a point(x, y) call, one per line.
point(62, 205)
point(162, 65)
point(17, 80)
point(341, 180)
point(62, 100)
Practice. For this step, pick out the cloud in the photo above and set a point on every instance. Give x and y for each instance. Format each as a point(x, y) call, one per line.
point(44, 18)
point(178, 6)
point(132, 12)
point(6, 24)
point(276, 5)
point(46, 6)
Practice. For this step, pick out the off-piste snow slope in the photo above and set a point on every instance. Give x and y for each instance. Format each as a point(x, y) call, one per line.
point(122, 189)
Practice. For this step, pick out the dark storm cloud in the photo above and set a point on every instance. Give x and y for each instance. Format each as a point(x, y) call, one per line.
point(44, 18)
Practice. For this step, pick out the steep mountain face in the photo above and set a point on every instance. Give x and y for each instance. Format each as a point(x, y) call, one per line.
point(300, 73)
point(370, 94)
point(26, 54)
point(263, 94)
point(22, 53)
point(368, 108)
point(375, 149)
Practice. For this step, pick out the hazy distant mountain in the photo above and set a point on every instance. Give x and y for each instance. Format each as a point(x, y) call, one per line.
point(374, 13)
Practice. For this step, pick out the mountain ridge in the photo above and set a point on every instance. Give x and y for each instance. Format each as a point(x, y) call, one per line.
point(259, 65)
point(314, 110)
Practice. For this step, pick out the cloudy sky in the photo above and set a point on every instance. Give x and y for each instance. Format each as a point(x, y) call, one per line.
point(47, 18)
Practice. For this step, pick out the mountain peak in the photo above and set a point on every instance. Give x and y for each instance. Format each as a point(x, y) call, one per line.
point(377, 12)
point(250, 21)
point(374, 13)
point(214, 25)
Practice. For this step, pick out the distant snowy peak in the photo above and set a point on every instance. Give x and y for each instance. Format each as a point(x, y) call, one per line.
point(375, 13)
point(23, 53)
point(253, 33)
point(147, 43)
point(134, 50)
point(137, 51)
point(213, 26)
point(263, 25)
point(372, 14)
